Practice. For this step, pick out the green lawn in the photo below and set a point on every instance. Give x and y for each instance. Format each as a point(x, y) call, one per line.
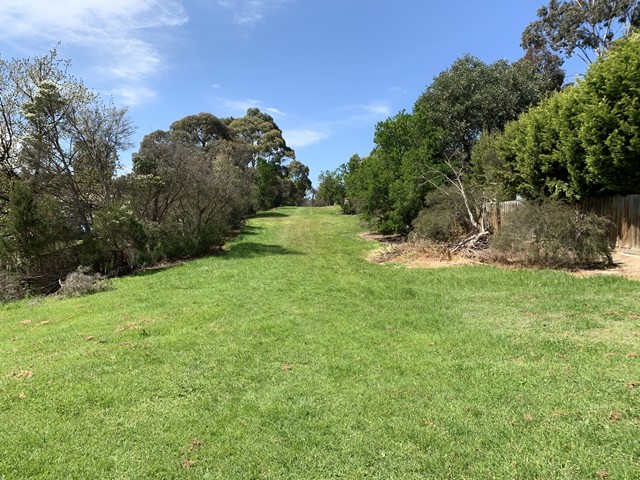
point(293, 357)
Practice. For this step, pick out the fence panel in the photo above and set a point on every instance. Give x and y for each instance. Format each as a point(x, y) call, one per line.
point(623, 211)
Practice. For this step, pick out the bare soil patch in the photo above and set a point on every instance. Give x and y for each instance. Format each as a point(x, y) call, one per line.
point(395, 249)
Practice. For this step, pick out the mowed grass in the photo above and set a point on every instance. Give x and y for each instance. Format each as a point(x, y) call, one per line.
point(292, 357)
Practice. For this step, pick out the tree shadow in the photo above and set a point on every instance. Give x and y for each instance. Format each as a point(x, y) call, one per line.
point(252, 249)
point(269, 215)
point(149, 270)
point(250, 230)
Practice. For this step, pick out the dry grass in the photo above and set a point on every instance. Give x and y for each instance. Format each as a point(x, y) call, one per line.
point(425, 254)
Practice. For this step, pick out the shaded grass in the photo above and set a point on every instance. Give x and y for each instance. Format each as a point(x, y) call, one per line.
point(292, 357)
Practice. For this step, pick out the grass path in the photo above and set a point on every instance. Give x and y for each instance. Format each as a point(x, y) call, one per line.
point(292, 357)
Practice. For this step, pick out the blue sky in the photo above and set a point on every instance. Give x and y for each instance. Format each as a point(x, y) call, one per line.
point(326, 70)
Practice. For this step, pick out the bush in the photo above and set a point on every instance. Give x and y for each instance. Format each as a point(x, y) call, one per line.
point(83, 282)
point(443, 219)
point(553, 234)
point(11, 287)
point(118, 238)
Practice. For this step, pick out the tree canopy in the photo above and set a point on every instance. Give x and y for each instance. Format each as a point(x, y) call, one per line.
point(585, 28)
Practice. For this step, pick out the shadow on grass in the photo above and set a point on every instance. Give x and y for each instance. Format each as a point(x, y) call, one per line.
point(270, 215)
point(250, 230)
point(252, 249)
point(158, 268)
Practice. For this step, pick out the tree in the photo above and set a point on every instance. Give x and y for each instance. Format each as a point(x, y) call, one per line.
point(202, 129)
point(581, 27)
point(188, 195)
point(610, 123)
point(471, 97)
point(260, 132)
point(297, 174)
point(69, 138)
point(269, 185)
point(331, 188)
point(35, 228)
point(583, 141)
point(468, 100)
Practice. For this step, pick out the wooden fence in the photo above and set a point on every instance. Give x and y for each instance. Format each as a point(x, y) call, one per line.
point(623, 211)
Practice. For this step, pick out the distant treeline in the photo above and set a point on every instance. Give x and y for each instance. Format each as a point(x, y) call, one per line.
point(63, 204)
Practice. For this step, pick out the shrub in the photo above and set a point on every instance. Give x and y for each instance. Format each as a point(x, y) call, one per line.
point(553, 234)
point(11, 286)
point(118, 238)
point(443, 219)
point(83, 282)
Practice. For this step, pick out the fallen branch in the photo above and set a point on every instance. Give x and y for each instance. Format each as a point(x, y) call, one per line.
point(473, 242)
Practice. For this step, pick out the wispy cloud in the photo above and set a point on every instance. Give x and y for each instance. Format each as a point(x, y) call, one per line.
point(365, 113)
point(250, 12)
point(304, 138)
point(275, 112)
point(110, 31)
point(236, 107)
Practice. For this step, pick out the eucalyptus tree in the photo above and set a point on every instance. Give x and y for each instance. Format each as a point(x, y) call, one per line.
point(259, 130)
point(584, 28)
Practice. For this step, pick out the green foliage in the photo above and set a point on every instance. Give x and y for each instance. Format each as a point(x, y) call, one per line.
point(553, 234)
point(582, 141)
point(543, 150)
point(119, 239)
point(331, 188)
point(290, 357)
point(258, 130)
point(385, 187)
point(443, 218)
point(431, 147)
point(297, 183)
point(581, 27)
point(610, 121)
point(472, 97)
point(269, 192)
point(36, 234)
point(202, 129)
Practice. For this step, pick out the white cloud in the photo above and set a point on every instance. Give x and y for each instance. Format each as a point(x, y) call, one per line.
point(365, 113)
point(275, 112)
point(239, 107)
point(304, 138)
point(133, 95)
point(110, 31)
point(375, 109)
point(249, 12)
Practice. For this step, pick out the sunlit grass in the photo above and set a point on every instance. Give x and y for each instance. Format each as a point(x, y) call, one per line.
point(293, 357)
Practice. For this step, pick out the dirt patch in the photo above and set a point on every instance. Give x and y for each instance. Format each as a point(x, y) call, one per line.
point(395, 249)
point(624, 264)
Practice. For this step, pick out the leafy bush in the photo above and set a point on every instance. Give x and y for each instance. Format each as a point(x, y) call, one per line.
point(444, 218)
point(118, 237)
point(553, 234)
point(83, 282)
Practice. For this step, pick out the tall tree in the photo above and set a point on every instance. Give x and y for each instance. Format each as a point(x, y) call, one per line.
point(297, 174)
point(202, 129)
point(585, 28)
point(60, 135)
point(260, 132)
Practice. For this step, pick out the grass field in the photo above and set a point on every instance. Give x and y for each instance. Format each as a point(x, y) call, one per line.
point(292, 357)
